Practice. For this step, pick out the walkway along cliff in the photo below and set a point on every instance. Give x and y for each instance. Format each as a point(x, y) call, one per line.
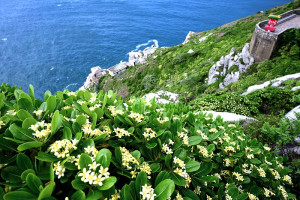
point(263, 43)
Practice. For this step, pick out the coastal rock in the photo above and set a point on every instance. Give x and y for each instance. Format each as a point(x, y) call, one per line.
point(242, 60)
point(97, 72)
point(295, 88)
point(274, 83)
point(229, 117)
point(292, 114)
point(188, 37)
point(204, 38)
point(191, 51)
point(162, 97)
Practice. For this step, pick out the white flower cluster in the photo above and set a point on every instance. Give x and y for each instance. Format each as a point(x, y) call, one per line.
point(184, 137)
point(89, 132)
point(38, 113)
point(149, 133)
point(127, 159)
point(136, 116)
point(59, 169)
point(120, 132)
point(283, 192)
point(203, 135)
point(268, 193)
point(238, 176)
point(181, 171)
point(114, 112)
point(288, 179)
point(63, 148)
point(41, 130)
point(71, 94)
point(147, 192)
point(95, 175)
point(252, 196)
point(204, 151)
point(92, 108)
point(93, 97)
point(11, 112)
point(163, 120)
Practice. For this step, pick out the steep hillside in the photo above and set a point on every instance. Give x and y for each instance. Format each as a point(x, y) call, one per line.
point(183, 69)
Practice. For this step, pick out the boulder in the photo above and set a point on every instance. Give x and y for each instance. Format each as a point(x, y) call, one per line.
point(229, 117)
point(162, 97)
point(189, 35)
point(291, 115)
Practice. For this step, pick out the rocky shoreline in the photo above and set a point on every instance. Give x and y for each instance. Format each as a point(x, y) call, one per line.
point(97, 72)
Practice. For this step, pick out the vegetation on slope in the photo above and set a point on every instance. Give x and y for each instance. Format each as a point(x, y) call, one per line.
point(93, 146)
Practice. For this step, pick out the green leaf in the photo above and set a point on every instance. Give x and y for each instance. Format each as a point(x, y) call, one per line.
point(11, 174)
point(192, 166)
point(151, 145)
point(190, 194)
point(25, 104)
point(243, 196)
point(118, 155)
point(23, 114)
point(67, 133)
point(94, 194)
point(78, 184)
point(29, 145)
point(28, 122)
point(140, 181)
point(31, 93)
point(127, 193)
point(195, 140)
point(208, 178)
point(47, 191)
point(214, 136)
point(164, 189)
point(104, 157)
point(205, 169)
point(24, 162)
point(168, 160)
point(7, 145)
point(46, 157)
point(26, 172)
point(162, 176)
point(34, 183)
point(19, 195)
point(108, 183)
point(255, 161)
point(155, 167)
point(84, 161)
point(180, 153)
point(178, 180)
point(81, 120)
point(54, 122)
point(78, 195)
point(51, 103)
point(20, 133)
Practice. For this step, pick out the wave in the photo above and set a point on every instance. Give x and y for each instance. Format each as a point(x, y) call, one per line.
point(72, 84)
point(147, 44)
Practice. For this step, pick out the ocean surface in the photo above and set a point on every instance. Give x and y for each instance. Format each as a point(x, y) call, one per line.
point(52, 44)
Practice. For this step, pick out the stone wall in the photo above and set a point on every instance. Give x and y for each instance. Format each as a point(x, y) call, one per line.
point(263, 43)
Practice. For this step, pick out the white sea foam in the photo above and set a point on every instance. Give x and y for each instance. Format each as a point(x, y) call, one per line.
point(147, 44)
point(52, 68)
point(59, 5)
point(72, 84)
point(4, 39)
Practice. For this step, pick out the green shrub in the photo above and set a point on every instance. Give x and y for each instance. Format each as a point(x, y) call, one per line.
point(85, 145)
point(274, 130)
point(149, 82)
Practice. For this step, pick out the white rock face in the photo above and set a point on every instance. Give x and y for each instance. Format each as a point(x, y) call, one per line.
point(242, 60)
point(161, 95)
point(191, 51)
point(291, 115)
point(188, 37)
point(204, 38)
point(135, 58)
point(274, 83)
point(295, 88)
point(229, 117)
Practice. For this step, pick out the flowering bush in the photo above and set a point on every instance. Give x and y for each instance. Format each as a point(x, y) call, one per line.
point(82, 145)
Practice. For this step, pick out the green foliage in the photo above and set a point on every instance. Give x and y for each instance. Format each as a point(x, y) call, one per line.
point(274, 130)
point(86, 145)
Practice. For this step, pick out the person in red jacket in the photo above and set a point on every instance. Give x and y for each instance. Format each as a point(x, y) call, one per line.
point(273, 19)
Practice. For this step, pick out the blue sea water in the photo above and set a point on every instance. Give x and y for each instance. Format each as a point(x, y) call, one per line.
point(52, 44)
